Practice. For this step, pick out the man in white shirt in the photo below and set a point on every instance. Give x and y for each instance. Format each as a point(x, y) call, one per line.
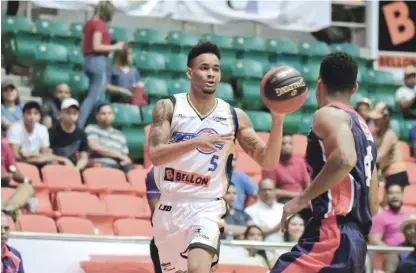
point(28, 138)
point(266, 212)
point(406, 95)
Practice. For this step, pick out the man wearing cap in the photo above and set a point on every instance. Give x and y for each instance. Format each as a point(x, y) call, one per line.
point(68, 142)
point(406, 95)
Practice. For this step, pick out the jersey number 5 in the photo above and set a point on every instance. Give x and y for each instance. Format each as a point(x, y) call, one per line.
point(213, 163)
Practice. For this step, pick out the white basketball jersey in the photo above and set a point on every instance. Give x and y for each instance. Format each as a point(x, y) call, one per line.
point(201, 173)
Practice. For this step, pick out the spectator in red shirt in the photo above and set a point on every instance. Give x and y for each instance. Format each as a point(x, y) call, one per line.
point(96, 45)
point(291, 175)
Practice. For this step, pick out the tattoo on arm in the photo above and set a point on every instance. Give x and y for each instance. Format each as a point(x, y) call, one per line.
point(159, 133)
point(249, 144)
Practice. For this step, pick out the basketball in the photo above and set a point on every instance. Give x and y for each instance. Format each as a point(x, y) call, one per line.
point(283, 89)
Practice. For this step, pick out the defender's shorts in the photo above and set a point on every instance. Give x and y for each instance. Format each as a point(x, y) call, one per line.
point(179, 226)
point(327, 246)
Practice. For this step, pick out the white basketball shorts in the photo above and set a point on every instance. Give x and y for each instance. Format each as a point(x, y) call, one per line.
point(179, 226)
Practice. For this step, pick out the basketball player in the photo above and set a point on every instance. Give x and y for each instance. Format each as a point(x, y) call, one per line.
point(344, 191)
point(192, 142)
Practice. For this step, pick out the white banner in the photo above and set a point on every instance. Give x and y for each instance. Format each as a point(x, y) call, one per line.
point(305, 16)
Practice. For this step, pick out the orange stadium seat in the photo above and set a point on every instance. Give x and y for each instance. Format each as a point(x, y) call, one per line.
point(246, 164)
point(411, 171)
point(409, 196)
point(405, 151)
point(36, 223)
point(299, 143)
point(410, 209)
point(62, 178)
point(119, 264)
point(107, 180)
point(125, 206)
point(32, 172)
point(137, 178)
point(75, 225)
point(12, 224)
point(6, 193)
point(133, 227)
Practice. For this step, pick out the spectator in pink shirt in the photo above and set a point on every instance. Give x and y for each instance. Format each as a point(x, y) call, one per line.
point(291, 175)
point(385, 229)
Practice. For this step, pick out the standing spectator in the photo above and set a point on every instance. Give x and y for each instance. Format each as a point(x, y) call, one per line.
point(28, 138)
point(406, 95)
point(96, 45)
point(68, 142)
point(11, 109)
point(51, 108)
point(11, 260)
point(389, 157)
point(385, 228)
point(244, 186)
point(291, 175)
point(108, 145)
point(266, 212)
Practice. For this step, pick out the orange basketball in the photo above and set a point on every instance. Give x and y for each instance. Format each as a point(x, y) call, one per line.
point(283, 89)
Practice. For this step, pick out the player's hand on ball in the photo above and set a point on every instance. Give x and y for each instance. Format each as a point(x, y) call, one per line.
point(292, 207)
point(209, 141)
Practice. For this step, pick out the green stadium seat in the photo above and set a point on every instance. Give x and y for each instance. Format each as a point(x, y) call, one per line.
point(49, 27)
point(51, 75)
point(225, 91)
point(228, 59)
point(221, 41)
point(280, 46)
point(135, 138)
point(250, 90)
point(76, 30)
point(291, 122)
point(176, 86)
point(313, 48)
point(149, 36)
point(177, 62)
point(75, 56)
point(395, 125)
point(388, 98)
point(247, 69)
point(78, 83)
point(150, 61)
point(164, 49)
point(22, 49)
point(310, 71)
point(376, 77)
point(156, 87)
point(258, 56)
point(262, 121)
point(292, 62)
point(311, 101)
point(126, 115)
point(120, 34)
point(182, 38)
point(351, 49)
point(16, 24)
point(407, 126)
point(305, 122)
point(50, 53)
point(248, 43)
point(147, 111)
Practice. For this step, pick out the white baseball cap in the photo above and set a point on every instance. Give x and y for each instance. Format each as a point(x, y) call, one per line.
point(69, 102)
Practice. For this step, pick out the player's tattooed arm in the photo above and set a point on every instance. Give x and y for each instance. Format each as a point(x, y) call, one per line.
point(266, 155)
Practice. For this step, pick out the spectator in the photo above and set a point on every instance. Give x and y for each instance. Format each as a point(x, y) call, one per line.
point(413, 140)
point(406, 95)
point(404, 262)
point(96, 45)
point(254, 233)
point(28, 138)
point(363, 108)
point(295, 229)
point(11, 109)
point(389, 158)
point(243, 184)
point(24, 193)
point(123, 77)
point(11, 260)
point(69, 143)
point(108, 145)
point(237, 221)
point(51, 108)
point(291, 175)
point(385, 228)
point(266, 212)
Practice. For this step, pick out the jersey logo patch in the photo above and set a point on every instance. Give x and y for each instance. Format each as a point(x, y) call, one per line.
point(178, 137)
point(189, 178)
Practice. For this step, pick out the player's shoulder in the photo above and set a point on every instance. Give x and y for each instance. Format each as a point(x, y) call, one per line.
point(329, 118)
point(166, 105)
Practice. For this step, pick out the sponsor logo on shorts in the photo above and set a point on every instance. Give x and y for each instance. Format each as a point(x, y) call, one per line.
point(200, 234)
point(178, 137)
point(193, 179)
point(165, 207)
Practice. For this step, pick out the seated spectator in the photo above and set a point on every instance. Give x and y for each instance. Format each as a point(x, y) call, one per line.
point(123, 77)
point(24, 194)
point(254, 233)
point(68, 142)
point(385, 229)
point(406, 95)
point(404, 262)
point(108, 145)
point(295, 229)
point(244, 186)
point(266, 212)
point(413, 140)
point(236, 221)
point(389, 158)
point(290, 176)
point(29, 139)
point(11, 260)
point(363, 108)
point(51, 107)
point(11, 109)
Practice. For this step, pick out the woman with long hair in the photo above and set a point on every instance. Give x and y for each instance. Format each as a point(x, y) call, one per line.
point(96, 45)
point(11, 109)
point(254, 233)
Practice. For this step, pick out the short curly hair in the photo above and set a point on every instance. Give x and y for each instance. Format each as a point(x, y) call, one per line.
point(202, 48)
point(339, 72)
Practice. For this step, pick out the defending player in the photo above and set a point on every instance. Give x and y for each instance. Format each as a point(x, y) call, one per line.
point(344, 191)
point(192, 141)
